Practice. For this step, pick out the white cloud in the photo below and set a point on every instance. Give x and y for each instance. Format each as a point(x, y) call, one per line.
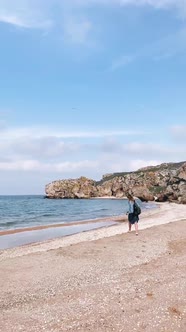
point(25, 14)
point(77, 31)
point(148, 148)
point(157, 4)
point(124, 164)
point(39, 14)
point(24, 23)
point(179, 132)
point(45, 144)
point(11, 19)
point(43, 148)
point(162, 49)
point(35, 165)
point(152, 151)
point(79, 167)
point(39, 159)
point(69, 22)
point(53, 151)
point(136, 164)
point(122, 61)
point(32, 14)
point(41, 132)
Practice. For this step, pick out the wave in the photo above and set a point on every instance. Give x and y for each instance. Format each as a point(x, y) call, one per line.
point(7, 224)
point(28, 211)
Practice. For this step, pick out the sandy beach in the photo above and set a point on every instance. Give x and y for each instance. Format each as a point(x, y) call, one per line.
point(101, 280)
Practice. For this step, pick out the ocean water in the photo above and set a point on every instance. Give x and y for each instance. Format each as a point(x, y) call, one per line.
point(29, 211)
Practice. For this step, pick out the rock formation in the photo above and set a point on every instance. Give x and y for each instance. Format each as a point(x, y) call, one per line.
point(165, 182)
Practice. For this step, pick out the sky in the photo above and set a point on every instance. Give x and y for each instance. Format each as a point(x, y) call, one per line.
point(89, 87)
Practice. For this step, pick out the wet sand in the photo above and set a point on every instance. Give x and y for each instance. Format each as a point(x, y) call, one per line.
point(38, 228)
point(101, 280)
point(30, 236)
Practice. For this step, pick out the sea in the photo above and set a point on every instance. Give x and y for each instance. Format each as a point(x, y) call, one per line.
point(30, 211)
point(19, 212)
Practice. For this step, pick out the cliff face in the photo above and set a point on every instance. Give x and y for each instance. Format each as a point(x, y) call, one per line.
point(72, 188)
point(165, 182)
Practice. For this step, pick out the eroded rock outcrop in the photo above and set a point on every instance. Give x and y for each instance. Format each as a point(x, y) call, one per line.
point(165, 182)
point(72, 188)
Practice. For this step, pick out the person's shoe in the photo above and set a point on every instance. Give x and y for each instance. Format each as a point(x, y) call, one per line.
point(136, 233)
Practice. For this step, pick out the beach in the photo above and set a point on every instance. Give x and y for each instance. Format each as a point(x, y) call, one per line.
point(101, 280)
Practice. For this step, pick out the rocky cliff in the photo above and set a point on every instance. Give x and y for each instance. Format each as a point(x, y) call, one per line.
point(165, 182)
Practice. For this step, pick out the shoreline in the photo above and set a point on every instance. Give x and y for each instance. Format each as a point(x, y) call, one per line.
point(13, 238)
point(119, 218)
point(166, 213)
point(50, 226)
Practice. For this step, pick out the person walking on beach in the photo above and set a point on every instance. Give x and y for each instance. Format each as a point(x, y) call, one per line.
point(133, 213)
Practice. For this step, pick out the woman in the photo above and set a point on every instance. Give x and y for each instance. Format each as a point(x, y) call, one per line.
point(132, 217)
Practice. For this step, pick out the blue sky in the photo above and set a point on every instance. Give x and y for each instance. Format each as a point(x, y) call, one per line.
point(89, 87)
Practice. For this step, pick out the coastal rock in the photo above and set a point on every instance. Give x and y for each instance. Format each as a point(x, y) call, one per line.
point(182, 172)
point(72, 188)
point(165, 182)
point(143, 193)
point(182, 192)
point(162, 198)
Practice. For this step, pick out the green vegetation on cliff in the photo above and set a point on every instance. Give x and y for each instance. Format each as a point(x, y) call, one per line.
point(162, 167)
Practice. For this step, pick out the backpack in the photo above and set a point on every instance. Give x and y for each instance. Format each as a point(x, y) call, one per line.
point(137, 209)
